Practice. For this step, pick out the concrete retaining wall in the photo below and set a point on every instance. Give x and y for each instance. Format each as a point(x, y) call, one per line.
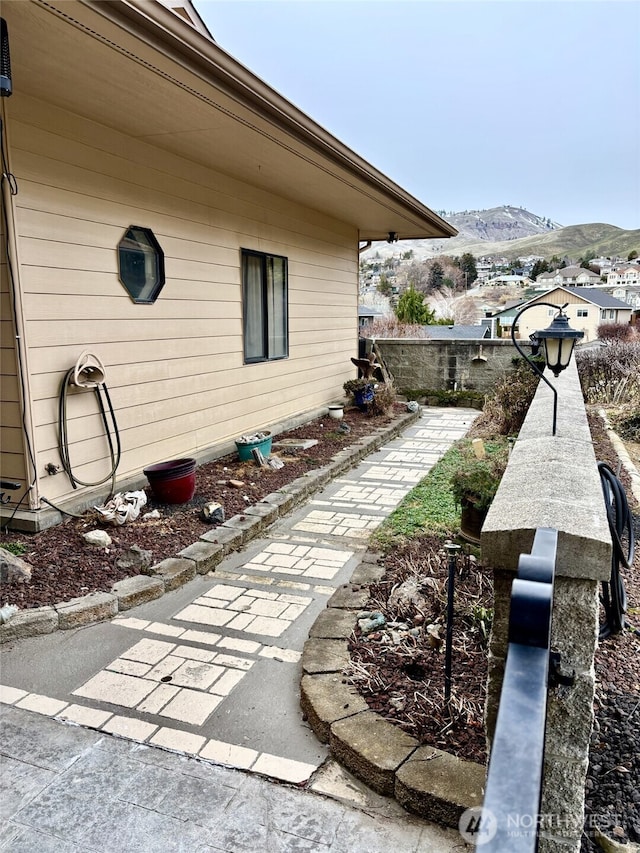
point(455, 365)
point(553, 481)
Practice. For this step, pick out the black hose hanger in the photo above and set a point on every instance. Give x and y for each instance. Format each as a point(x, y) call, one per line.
point(89, 373)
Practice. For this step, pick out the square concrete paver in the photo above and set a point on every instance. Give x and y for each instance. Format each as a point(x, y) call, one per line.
point(190, 706)
point(252, 611)
point(302, 560)
point(116, 688)
point(331, 523)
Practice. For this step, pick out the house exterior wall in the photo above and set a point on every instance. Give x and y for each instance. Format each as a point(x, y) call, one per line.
point(12, 461)
point(175, 369)
point(540, 317)
point(624, 277)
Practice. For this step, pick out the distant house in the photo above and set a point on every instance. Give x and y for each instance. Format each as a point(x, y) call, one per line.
point(629, 293)
point(586, 309)
point(508, 281)
point(573, 276)
point(624, 276)
point(184, 223)
point(367, 315)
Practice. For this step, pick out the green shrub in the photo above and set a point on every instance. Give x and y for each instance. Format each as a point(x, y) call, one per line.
point(477, 480)
point(443, 398)
point(15, 548)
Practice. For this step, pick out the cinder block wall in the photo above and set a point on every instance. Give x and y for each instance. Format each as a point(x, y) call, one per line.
point(461, 365)
point(553, 481)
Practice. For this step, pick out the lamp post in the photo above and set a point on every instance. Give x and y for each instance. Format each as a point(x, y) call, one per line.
point(558, 341)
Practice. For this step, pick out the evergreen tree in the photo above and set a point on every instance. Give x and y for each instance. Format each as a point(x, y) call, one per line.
point(537, 268)
point(384, 286)
point(468, 267)
point(411, 308)
point(436, 276)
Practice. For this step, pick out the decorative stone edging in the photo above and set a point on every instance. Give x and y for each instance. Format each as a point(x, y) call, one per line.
point(202, 556)
point(425, 780)
point(621, 450)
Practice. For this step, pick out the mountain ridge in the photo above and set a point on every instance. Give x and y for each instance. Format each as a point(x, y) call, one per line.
point(526, 234)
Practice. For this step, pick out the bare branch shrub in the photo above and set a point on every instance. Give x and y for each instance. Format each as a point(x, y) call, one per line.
point(505, 411)
point(610, 374)
point(391, 327)
point(608, 332)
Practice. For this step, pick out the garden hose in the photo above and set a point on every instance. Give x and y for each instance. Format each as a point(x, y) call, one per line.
point(99, 389)
point(614, 596)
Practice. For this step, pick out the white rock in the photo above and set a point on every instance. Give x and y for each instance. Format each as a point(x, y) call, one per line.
point(97, 538)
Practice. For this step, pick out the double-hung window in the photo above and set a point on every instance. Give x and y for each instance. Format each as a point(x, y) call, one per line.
point(265, 306)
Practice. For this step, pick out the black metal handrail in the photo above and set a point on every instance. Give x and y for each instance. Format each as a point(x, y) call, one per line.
point(509, 822)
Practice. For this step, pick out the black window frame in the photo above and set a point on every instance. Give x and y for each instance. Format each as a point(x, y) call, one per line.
point(134, 254)
point(256, 352)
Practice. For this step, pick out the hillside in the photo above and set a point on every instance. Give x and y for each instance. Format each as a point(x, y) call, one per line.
point(574, 241)
point(499, 224)
point(496, 232)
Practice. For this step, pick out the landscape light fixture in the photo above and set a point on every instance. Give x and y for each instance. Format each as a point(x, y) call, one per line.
point(393, 237)
point(558, 341)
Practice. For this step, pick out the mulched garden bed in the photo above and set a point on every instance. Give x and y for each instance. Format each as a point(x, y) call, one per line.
point(64, 567)
point(399, 669)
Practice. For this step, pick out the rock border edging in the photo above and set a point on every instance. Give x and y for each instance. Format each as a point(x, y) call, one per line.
point(202, 556)
point(426, 781)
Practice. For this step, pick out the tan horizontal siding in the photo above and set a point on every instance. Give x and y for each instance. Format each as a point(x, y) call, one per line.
point(177, 367)
point(174, 369)
point(7, 357)
point(9, 389)
point(138, 402)
point(12, 442)
point(55, 307)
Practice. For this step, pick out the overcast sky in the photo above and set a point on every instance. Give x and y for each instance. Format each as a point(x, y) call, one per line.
point(467, 104)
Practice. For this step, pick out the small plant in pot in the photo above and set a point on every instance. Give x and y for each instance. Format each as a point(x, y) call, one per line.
point(476, 481)
point(362, 391)
point(375, 398)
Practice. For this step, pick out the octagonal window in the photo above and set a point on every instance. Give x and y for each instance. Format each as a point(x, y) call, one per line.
point(141, 264)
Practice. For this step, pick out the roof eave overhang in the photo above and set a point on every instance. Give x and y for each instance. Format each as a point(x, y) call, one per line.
point(159, 26)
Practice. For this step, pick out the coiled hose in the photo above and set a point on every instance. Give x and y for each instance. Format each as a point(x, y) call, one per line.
point(63, 438)
point(614, 595)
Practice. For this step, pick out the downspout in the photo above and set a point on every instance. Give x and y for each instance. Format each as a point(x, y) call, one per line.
point(9, 190)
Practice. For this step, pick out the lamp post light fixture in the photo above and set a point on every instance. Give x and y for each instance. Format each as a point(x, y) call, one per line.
point(558, 341)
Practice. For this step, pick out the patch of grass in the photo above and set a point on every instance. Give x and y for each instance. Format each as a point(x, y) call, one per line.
point(429, 507)
point(15, 548)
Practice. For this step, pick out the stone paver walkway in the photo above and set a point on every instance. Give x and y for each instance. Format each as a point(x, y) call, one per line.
point(211, 670)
